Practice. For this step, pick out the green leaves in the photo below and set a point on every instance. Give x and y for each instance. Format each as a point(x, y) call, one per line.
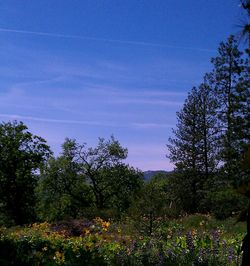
point(83, 178)
point(21, 156)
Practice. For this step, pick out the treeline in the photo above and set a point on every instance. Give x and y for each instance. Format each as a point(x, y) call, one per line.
point(80, 182)
point(213, 134)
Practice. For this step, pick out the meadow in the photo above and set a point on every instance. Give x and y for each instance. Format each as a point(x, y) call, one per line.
point(189, 240)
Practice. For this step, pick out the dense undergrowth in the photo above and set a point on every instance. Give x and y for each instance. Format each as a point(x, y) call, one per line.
point(191, 240)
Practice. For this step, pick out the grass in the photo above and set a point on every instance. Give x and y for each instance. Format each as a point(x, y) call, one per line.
point(191, 240)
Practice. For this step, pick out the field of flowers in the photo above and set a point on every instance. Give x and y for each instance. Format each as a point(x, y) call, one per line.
point(192, 241)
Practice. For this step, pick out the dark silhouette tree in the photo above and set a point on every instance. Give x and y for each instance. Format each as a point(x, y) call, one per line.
point(245, 28)
point(21, 156)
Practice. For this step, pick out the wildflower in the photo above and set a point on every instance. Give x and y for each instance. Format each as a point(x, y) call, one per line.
point(202, 223)
point(59, 257)
point(189, 241)
point(86, 231)
point(88, 246)
point(105, 225)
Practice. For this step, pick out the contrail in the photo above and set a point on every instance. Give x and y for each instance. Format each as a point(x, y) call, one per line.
point(79, 37)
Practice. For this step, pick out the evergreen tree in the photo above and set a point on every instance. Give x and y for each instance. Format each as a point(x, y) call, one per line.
point(245, 32)
point(230, 83)
point(184, 150)
point(207, 128)
point(193, 150)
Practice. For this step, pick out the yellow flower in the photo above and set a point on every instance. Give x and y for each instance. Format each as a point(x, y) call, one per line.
point(86, 231)
point(59, 257)
point(88, 246)
point(105, 225)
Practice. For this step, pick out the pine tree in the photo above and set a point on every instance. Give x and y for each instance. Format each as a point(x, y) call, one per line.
point(245, 31)
point(184, 147)
point(208, 130)
point(231, 89)
point(193, 150)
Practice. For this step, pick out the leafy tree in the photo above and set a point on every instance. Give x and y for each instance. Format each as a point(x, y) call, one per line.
point(21, 156)
point(153, 205)
point(82, 179)
point(62, 191)
point(105, 172)
point(120, 184)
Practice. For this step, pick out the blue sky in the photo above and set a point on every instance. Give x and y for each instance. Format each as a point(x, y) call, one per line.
point(92, 68)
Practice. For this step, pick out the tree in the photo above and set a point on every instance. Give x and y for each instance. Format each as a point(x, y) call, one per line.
point(105, 172)
point(62, 190)
point(183, 148)
point(230, 82)
point(120, 185)
point(152, 206)
point(82, 179)
point(193, 148)
point(208, 131)
point(21, 156)
point(245, 32)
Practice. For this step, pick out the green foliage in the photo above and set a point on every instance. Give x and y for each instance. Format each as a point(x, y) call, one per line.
point(225, 203)
point(39, 245)
point(101, 167)
point(152, 206)
point(62, 190)
point(229, 81)
point(103, 243)
point(21, 156)
point(84, 181)
point(192, 150)
point(120, 185)
point(211, 136)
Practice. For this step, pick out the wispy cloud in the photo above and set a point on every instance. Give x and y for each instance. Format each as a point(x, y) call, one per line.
point(85, 122)
point(87, 38)
point(102, 89)
point(49, 120)
point(152, 125)
point(148, 102)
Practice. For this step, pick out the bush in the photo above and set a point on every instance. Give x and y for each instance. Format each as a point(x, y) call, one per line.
point(226, 203)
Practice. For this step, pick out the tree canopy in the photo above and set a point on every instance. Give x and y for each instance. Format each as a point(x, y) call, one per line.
point(21, 156)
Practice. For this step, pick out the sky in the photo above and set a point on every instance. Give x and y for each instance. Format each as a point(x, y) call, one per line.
point(86, 69)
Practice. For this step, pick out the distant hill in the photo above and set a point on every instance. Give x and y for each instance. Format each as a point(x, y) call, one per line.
point(147, 175)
